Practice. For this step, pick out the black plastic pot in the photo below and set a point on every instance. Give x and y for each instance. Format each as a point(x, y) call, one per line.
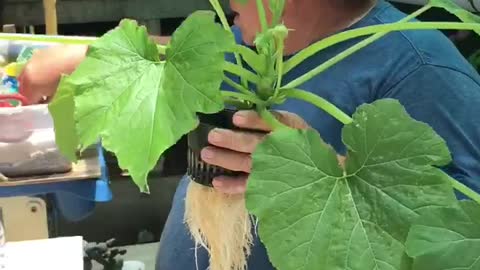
point(198, 170)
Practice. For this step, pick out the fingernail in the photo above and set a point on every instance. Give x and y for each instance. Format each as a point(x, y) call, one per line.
point(215, 136)
point(207, 154)
point(240, 118)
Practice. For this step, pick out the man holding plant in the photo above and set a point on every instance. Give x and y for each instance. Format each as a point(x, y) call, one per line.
point(421, 69)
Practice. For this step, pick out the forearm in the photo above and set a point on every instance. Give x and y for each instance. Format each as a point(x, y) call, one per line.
point(74, 54)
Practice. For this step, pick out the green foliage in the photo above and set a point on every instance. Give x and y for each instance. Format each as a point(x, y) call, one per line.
point(315, 214)
point(62, 109)
point(446, 238)
point(125, 95)
point(388, 207)
point(456, 10)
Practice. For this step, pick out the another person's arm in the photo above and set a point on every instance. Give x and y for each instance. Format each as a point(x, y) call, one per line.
point(41, 75)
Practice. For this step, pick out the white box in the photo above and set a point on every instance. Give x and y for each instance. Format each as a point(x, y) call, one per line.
point(65, 253)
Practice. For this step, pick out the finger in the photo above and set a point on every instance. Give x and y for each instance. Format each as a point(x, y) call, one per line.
point(251, 120)
point(231, 185)
point(239, 141)
point(28, 90)
point(33, 97)
point(230, 160)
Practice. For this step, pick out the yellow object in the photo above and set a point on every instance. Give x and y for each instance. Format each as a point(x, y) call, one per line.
point(12, 70)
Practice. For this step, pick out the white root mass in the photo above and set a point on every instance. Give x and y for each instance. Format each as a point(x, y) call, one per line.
point(221, 224)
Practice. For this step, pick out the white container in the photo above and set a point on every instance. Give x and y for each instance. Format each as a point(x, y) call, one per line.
point(27, 142)
point(133, 265)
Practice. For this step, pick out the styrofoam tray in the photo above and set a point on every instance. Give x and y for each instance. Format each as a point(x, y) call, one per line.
point(27, 142)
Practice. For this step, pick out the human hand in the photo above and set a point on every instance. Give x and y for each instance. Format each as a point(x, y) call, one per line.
point(41, 75)
point(232, 149)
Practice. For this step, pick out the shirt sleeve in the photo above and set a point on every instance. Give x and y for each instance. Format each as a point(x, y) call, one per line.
point(449, 101)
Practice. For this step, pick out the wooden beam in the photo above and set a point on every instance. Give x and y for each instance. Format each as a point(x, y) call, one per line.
point(50, 11)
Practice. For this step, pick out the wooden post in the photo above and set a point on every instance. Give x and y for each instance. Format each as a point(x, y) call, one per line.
point(153, 26)
point(9, 28)
point(50, 11)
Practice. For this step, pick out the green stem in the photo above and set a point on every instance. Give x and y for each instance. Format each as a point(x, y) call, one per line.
point(239, 105)
point(240, 96)
point(269, 118)
point(406, 26)
point(241, 72)
point(252, 58)
point(221, 15)
point(278, 11)
point(280, 48)
point(320, 103)
point(237, 86)
point(350, 34)
point(223, 19)
point(162, 49)
point(262, 15)
point(465, 190)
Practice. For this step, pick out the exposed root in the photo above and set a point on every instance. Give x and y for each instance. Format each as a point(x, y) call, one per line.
point(221, 224)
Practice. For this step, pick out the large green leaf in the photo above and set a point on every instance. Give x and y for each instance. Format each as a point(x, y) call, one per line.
point(62, 109)
point(459, 12)
point(315, 215)
point(447, 238)
point(140, 105)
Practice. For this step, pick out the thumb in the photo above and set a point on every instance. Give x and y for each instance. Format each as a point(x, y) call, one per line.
point(290, 119)
point(250, 119)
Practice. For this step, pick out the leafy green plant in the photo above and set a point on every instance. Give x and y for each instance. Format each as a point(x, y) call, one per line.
point(388, 207)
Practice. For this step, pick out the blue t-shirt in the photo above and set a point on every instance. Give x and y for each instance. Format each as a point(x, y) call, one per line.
point(421, 69)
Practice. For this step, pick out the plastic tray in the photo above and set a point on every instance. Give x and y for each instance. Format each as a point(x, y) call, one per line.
point(27, 143)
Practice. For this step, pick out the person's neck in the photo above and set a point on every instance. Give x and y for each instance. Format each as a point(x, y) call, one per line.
point(318, 23)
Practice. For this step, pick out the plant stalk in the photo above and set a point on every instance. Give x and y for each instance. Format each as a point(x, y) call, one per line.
point(406, 26)
point(280, 48)
point(223, 19)
point(278, 11)
point(237, 86)
point(254, 60)
point(241, 96)
point(235, 102)
point(320, 103)
point(241, 72)
point(270, 119)
point(262, 15)
point(343, 36)
point(465, 190)
point(162, 49)
point(221, 14)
